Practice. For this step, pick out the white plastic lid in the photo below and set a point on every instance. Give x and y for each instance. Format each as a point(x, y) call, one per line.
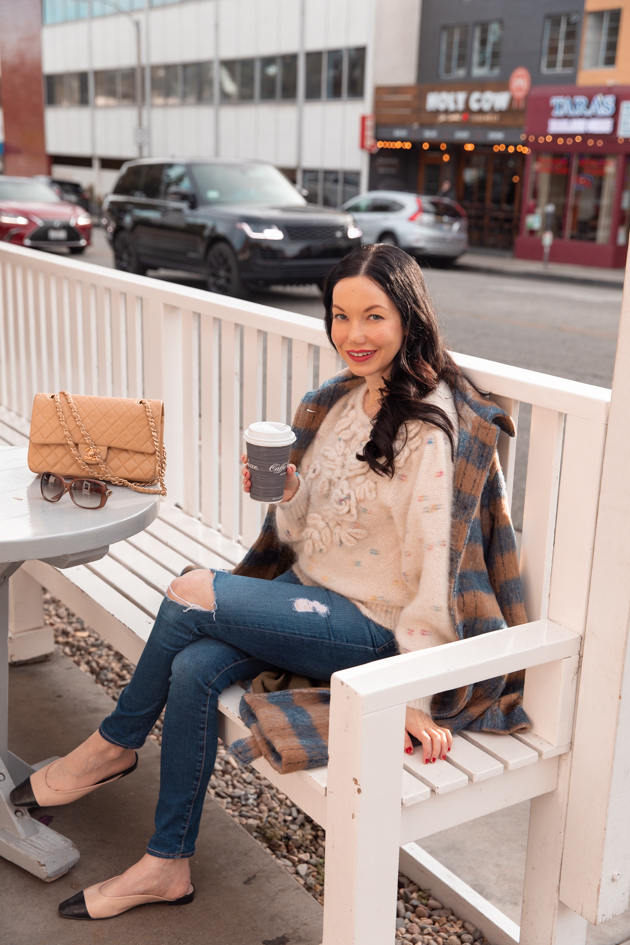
point(268, 433)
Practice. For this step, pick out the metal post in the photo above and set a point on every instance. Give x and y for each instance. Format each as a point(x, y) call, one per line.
point(216, 91)
point(301, 82)
point(136, 23)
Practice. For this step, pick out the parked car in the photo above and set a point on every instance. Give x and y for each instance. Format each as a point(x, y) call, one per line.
point(32, 214)
point(427, 227)
point(240, 223)
point(69, 190)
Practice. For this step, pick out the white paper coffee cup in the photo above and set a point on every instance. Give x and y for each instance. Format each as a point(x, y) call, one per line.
point(268, 451)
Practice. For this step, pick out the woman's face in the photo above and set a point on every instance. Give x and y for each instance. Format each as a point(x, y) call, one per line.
point(367, 329)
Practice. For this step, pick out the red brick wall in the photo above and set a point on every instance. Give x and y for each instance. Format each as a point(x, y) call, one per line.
point(22, 87)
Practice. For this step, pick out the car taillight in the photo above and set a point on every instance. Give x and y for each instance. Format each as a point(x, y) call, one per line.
point(415, 217)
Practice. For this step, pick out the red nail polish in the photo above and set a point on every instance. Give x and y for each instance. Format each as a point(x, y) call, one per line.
point(409, 750)
point(449, 749)
point(443, 757)
point(433, 760)
point(426, 761)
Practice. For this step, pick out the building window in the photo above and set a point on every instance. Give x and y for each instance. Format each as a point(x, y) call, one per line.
point(453, 51)
point(549, 185)
point(269, 70)
point(115, 87)
point(487, 48)
point(355, 72)
point(600, 45)
point(593, 198)
point(64, 11)
point(69, 88)
point(313, 85)
point(330, 188)
point(560, 43)
point(182, 84)
point(288, 77)
point(334, 73)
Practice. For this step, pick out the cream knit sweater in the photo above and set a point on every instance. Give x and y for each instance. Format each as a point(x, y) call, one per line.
point(382, 543)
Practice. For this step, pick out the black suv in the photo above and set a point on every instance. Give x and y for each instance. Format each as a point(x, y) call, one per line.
point(240, 223)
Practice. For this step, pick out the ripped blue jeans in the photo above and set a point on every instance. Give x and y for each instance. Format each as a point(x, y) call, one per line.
point(192, 655)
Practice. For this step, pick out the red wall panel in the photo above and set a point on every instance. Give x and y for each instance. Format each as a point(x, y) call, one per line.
point(22, 87)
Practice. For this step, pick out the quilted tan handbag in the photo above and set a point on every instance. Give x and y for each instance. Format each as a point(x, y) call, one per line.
point(113, 438)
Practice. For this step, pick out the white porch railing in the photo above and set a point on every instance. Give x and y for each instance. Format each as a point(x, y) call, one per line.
point(220, 363)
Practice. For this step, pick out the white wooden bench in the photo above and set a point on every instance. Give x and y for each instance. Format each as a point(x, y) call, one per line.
point(216, 363)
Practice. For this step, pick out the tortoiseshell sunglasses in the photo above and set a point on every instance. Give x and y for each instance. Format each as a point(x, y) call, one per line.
point(85, 493)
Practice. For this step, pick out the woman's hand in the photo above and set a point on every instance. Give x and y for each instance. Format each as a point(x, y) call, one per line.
point(436, 741)
point(291, 485)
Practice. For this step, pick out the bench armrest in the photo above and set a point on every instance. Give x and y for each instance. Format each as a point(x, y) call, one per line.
point(397, 680)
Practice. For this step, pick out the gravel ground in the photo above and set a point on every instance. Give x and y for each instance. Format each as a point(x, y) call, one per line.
point(294, 839)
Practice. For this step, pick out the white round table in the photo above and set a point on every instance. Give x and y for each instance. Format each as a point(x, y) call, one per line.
point(62, 535)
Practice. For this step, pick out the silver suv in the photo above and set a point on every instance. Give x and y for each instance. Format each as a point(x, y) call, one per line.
point(428, 227)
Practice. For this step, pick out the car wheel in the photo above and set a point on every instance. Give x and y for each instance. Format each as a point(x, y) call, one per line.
point(222, 273)
point(126, 254)
point(77, 250)
point(388, 238)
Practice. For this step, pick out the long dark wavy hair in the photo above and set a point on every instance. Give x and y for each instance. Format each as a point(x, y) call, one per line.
point(420, 364)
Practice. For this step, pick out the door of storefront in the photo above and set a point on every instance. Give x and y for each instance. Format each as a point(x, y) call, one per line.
point(488, 188)
point(432, 171)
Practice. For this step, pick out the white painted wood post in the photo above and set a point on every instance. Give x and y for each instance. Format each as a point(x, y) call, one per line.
point(363, 816)
point(595, 878)
point(545, 920)
point(30, 637)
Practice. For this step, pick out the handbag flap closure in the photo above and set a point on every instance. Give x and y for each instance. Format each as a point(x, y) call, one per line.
point(90, 455)
point(111, 422)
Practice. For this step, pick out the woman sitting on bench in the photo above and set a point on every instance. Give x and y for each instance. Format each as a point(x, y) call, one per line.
point(393, 535)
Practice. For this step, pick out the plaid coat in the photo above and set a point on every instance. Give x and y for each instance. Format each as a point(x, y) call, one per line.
point(485, 587)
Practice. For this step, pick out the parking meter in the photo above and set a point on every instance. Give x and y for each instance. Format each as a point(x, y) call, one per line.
point(547, 236)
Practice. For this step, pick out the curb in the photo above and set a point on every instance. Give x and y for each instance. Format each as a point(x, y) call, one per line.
point(550, 276)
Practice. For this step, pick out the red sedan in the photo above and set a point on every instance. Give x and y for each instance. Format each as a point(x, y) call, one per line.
point(32, 214)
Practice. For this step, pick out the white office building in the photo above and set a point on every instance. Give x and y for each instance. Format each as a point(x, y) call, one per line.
point(285, 81)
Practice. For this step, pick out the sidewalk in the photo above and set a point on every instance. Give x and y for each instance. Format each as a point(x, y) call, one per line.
point(500, 265)
point(244, 897)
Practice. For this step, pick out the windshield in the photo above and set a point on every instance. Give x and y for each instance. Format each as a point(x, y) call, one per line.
point(27, 191)
point(245, 183)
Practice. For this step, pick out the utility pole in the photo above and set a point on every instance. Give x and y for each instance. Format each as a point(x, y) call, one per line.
point(140, 131)
point(301, 82)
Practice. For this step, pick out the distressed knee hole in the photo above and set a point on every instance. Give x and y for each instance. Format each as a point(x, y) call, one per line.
point(191, 604)
point(302, 605)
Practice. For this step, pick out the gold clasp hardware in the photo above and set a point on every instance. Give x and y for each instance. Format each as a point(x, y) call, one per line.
point(91, 455)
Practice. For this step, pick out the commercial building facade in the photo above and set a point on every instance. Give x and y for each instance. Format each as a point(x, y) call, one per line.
point(280, 80)
point(463, 119)
point(576, 195)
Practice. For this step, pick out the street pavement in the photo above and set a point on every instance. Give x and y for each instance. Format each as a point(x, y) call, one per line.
point(493, 307)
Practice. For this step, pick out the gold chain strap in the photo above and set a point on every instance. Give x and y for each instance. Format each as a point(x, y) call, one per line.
point(105, 472)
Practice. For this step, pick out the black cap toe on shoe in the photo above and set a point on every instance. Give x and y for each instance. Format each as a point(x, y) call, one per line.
point(74, 907)
point(22, 795)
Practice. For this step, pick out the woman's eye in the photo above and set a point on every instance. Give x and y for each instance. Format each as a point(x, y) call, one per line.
point(378, 317)
point(339, 315)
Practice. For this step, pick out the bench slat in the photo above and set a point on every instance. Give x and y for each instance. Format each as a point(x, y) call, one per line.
point(413, 790)
point(544, 748)
point(141, 565)
point(440, 777)
point(226, 548)
point(188, 547)
point(127, 584)
point(476, 764)
point(513, 753)
point(158, 551)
